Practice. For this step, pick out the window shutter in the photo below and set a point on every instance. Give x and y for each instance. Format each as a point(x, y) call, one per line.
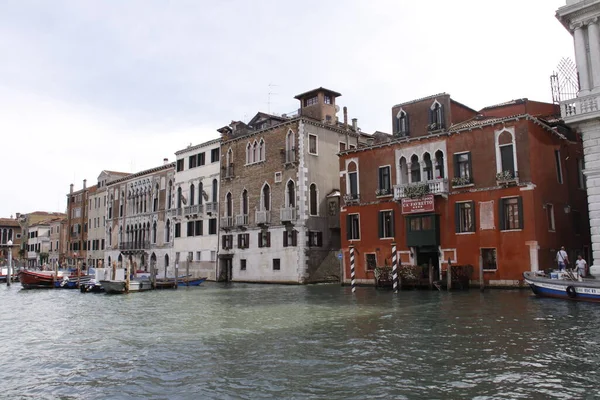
point(521, 219)
point(470, 167)
point(431, 116)
point(501, 214)
point(473, 216)
point(260, 242)
point(457, 217)
point(224, 242)
point(239, 240)
point(320, 239)
point(294, 238)
point(407, 124)
point(380, 222)
point(393, 224)
point(348, 228)
point(285, 238)
point(268, 239)
point(442, 119)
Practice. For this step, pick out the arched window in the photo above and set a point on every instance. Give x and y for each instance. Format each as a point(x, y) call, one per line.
point(179, 197)
point(229, 157)
point(154, 232)
point(249, 154)
point(290, 194)
point(170, 195)
point(401, 123)
point(314, 210)
point(261, 150)
point(109, 237)
point(215, 193)
point(266, 197)
point(255, 152)
point(428, 168)
point(166, 260)
point(200, 194)
point(155, 201)
point(229, 205)
point(245, 202)
point(436, 116)
point(403, 171)
point(289, 141)
point(168, 231)
point(192, 194)
point(415, 169)
point(439, 164)
point(120, 234)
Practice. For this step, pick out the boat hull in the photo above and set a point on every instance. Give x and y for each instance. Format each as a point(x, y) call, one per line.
point(587, 290)
point(191, 282)
point(36, 280)
point(118, 286)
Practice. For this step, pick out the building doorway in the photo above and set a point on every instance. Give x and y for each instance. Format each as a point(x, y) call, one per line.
point(225, 268)
point(426, 255)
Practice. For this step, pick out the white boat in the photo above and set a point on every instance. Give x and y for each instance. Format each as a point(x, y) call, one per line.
point(563, 285)
point(119, 286)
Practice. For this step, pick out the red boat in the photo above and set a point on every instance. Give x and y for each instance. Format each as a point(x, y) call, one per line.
point(37, 280)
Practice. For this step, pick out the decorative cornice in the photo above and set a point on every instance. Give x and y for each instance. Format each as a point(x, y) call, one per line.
point(142, 173)
point(198, 146)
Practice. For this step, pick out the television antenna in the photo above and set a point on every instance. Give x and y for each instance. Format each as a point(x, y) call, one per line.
point(271, 86)
point(564, 81)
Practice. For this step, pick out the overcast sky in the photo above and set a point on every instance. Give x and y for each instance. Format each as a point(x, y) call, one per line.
point(120, 85)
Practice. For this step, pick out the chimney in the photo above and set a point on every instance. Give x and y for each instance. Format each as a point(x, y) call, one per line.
point(84, 184)
point(345, 117)
point(354, 124)
point(18, 215)
point(165, 161)
point(71, 188)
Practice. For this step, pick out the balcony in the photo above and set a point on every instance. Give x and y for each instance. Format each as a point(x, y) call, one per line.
point(287, 214)
point(580, 108)
point(135, 245)
point(193, 210)
point(75, 235)
point(263, 217)
point(351, 198)
point(418, 189)
point(226, 222)
point(241, 220)
point(175, 212)
point(507, 178)
point(212, 208)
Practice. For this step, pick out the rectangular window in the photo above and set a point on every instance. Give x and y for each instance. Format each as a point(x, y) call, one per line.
point(327, 99)
point(178, 230)
point(212, 226)
point(180, 165)
point(315, 239)
point(352, 146)
point(198, 228)
point(353, 184)
point(550, 217)
point(100, 249)
point(242, 264)
point(276, 264)
point(462, 169)
point(192, 162)
point(507, 159)
point(384, 180)
point(371, 261)
point(227, 242)
point(352, 227)
point(465, 217)
point(190, 256)
point(580, 176)
point(424, 223)
point(342, 146)
point(511, 213)
point(559, 175)
point(312, 144)
point(201, 159)
point(190, 228)
point(214, 155)
point(311, 101)
point(290, 238)
point(264, 239)
point(243, 240)
point(488, 259)
point(386, 224)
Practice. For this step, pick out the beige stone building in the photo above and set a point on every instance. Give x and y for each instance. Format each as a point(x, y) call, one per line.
point(279, 194)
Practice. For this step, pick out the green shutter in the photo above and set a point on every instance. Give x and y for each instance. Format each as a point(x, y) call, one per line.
point(380, 221)
point(348, 228)
point(473, 216)
point(470, 168)
point(393, 230)
point(456, 170)
point(501, 214)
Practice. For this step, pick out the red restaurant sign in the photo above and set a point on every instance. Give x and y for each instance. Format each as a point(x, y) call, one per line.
point(420, 205)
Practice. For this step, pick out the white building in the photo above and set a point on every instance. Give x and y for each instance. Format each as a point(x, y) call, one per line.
point(38, 244)
point(195, 212)
point(582, 20)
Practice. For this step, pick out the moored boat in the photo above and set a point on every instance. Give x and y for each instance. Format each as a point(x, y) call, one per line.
point(119, 286)
point(191, 282)
point(38, 279)
point(563, 285)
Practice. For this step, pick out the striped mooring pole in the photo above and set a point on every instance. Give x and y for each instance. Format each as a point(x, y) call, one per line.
point(394, 268)
point(352, 274)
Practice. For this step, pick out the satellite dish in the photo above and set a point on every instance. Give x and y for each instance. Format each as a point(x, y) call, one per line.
point(337, 108)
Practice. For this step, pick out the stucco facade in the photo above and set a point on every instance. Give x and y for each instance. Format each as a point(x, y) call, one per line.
point(506, 192)
point(195, 213)
point(138, 229)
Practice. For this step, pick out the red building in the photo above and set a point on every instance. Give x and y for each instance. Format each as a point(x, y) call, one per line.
point(501, 188)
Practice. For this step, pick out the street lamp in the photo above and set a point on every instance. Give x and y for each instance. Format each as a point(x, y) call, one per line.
point(9, 270)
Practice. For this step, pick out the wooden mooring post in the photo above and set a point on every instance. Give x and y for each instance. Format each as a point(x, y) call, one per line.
point(394, 268)
point(127, 277)
point(449, 276)
point(430, 275)
point(352, 275)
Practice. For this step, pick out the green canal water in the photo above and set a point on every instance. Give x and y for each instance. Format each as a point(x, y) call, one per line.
point(243, 341)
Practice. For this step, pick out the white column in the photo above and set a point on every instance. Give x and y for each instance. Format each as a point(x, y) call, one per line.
point(409, 168)
point(581, 59)
point(422, 165)
point(594, 40)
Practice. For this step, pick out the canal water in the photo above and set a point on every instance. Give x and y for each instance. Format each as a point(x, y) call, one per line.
point(243, 341)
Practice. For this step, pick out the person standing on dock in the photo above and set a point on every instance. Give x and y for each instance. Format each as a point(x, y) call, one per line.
point(581, 265)
point(562, 258)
